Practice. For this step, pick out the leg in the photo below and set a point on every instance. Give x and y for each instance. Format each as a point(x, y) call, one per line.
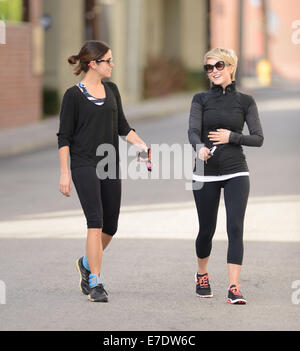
point(234, 271)
point(94, 250)
point(236, 192)
point(88, 188)
point(202, 265)
point(111, 200)
point(207, 202)
point(106, 239)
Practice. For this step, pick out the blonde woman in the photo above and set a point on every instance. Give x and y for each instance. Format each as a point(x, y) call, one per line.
point(216, 124)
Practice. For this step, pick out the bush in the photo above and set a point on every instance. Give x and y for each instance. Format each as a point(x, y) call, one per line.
point(50, 101)
point(196, 80)
point(163, 76)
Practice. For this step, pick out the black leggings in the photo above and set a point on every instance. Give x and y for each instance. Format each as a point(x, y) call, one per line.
point(236, 191)
point(100, 199)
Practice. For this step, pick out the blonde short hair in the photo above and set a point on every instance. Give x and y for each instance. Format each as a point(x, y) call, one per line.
point(226, 55)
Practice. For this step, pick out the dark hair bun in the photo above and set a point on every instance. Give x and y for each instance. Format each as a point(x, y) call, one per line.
point(91, 50)
point(73, 59)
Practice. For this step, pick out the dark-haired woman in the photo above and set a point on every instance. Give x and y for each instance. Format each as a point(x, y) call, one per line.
point(217, 119)
point(92, 116)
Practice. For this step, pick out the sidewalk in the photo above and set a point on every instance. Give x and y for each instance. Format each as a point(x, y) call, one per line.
point(264, 222)
point(42, 134)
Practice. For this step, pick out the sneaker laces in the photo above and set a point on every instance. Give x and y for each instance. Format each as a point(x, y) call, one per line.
point(101, 288)
point(203, 281)
point(235, 290)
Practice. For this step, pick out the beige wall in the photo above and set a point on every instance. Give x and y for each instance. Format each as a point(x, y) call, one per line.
point(154, 27)
point(224, 24)
point(134, 29)
point(193, 33)
point(177, 29)
point(64, 38)
point(284, 53)
point(118, 42)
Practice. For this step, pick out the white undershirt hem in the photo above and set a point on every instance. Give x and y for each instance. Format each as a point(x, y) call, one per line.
point(203, 179)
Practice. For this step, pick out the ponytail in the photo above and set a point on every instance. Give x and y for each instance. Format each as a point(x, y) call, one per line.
point(73, 59)
point(91, 50)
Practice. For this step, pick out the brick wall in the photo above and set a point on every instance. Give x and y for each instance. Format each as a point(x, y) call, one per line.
point(20, 90)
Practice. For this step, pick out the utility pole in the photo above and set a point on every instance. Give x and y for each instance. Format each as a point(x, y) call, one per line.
point(240, 69)
point(264, 29)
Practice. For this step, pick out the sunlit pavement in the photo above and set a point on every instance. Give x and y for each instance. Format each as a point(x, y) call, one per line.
point(149, 266)
point(273, 218)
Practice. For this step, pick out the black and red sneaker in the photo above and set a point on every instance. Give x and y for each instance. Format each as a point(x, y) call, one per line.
point(235, 296)
point(202, 285)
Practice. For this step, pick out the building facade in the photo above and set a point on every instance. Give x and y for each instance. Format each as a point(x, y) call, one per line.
point(21, 63)
point(139, 32)
point(259, 29)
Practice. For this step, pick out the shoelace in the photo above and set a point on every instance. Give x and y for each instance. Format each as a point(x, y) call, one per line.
point(93, 280)
point(203, 281)
point(235, 290)
point(100, 287)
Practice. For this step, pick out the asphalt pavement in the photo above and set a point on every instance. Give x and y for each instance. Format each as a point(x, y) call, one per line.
point(149, 267)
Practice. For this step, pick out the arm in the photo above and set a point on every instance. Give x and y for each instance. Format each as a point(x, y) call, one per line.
point(123, 127)
point(66, 129)
point(256, 137)
point(195, 128)
point(65, 184)
point(134, 139)
point(195, 122)
point(66, 120)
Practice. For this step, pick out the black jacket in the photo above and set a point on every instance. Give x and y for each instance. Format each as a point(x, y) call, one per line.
point(228, 109)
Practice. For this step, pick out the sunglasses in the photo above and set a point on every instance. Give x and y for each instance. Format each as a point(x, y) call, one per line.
point(219, 66)
point(146, 157)
point(109, 61)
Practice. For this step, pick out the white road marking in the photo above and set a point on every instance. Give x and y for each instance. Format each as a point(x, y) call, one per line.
point(267, 219)
point(288, 104)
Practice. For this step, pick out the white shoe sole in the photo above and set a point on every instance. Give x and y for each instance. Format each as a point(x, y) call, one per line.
point(205, 296)
point(236, 302)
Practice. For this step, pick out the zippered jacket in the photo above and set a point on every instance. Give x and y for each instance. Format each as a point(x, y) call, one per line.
point(229, 109)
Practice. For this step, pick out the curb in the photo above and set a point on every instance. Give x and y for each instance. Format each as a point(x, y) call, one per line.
point(41, 135)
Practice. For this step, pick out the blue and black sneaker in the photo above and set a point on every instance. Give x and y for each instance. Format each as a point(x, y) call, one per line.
point(97, 291)
point(84, 276)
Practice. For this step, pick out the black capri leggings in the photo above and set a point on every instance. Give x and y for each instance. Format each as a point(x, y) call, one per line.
point(236, 191)
point(100, 199)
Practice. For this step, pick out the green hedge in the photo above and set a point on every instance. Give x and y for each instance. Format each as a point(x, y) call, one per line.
point(51, 102)
point(11, 10)
point(196, 80)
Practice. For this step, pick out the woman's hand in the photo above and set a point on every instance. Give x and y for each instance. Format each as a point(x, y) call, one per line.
point(142, 147)
point(204, 154)
point(221, 136)
point(65, 184)
point(133, 139)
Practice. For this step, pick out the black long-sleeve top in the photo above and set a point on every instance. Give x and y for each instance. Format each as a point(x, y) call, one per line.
point(229, 109)
point(84, 125)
